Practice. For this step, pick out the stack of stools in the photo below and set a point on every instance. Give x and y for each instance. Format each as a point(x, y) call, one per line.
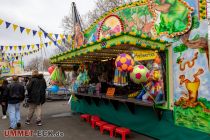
point(113, 129)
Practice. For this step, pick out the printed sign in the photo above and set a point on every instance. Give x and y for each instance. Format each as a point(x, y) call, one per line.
point(140, 55)
point(110, 92)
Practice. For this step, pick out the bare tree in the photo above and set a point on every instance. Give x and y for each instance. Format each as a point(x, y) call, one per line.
point(102, 6)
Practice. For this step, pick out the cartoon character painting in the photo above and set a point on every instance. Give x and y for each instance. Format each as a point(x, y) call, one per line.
point(79, 37)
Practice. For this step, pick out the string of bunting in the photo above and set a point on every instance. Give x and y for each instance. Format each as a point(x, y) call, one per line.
point(31, 46)
point(16, 56)
point(30, 31)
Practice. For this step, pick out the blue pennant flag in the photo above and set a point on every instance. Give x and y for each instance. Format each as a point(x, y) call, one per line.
point(45, 35)
point(66, 36)
point(56, 36)
point(28, 46)
point(21, 29)
point(2, 54)
point(14, 54)
point(10, 47)
point(46, 44)
point(55, 43)
point(19, 47)
point(37, 45)
point(64, 40)
point(2, 47)
point(7, 24)
point(17, 58)
point(34, 32)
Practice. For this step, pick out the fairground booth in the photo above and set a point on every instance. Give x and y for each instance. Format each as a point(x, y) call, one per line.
point(145, 66)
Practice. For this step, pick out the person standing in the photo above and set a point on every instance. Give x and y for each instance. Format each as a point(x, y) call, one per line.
point(15, 94)
point(36, 96)
point(3, 99)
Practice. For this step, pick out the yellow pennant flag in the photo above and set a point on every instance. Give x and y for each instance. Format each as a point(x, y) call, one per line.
point(50, 43)
point(1, 21)
point(41, 45)
point(28, 31)
point(50, 34)
point(32, 46)
point(59, 42)
point(61, 35)
point(23, 47)
point(15, 48)
point(6, 48)
point(40, 33)
point(14, 26)
point(69, 38)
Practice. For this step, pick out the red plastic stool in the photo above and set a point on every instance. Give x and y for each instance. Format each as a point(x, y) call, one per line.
point(93, 120)
point(122, 131)
point(108, 127)
point(100, 124)
point(85, 117)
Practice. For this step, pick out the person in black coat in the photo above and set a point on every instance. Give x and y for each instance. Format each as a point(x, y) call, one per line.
point(36, 96)
point(3, 100)
point(15, 94)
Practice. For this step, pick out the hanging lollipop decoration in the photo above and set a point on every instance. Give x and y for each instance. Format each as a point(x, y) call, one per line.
point(139, 74)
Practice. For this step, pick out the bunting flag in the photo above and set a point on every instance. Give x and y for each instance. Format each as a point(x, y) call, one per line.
point(45, 35)
point(14, 26)
point(28, 46)
point(32, 46)
point(56, 36)
point(21, 29)
point(1, 21)
point(34, 32)
point(40, 34)
point(50, 34)
point(37, 46)
point(7, 24)
point(28, 31)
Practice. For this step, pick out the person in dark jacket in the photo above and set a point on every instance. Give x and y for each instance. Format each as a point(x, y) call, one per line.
point(15, 94)
point(36, 96)
point(3, 100)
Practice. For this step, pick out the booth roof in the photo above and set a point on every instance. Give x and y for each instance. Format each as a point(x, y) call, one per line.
point(110, 47)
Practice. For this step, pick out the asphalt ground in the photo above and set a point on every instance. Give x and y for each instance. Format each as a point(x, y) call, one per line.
point(58, 121)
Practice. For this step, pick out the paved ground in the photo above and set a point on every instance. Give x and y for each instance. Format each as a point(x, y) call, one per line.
point(56, 117)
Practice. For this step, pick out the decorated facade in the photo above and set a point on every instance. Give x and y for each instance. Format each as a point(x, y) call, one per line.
point(171, 33)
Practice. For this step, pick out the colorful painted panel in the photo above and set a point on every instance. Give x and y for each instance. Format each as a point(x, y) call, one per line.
point(110, 26)
point(191, 73)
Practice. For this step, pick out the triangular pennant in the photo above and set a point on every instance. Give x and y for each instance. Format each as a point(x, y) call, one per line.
point(2, 48)
point(56, 36)
point(28, 31)
point(61, 35)
point(23, 47)
point(28, 46)
point(16, 57)
point(1, 21)
point(20, 47)
point(50, 43)
point(34, 32)
point(45, 35)
point(46, 44)
point(21, 29)
point(59, 42)
point(14, 54)
point(69, 38)
point(55, 43)
point(32, 46)
point(50, 34)
point(14, 26)
point(64, 40)
point(10, 47)
point(40, 33)
point(37, 45)
point(66, 36)
point(7, 24)
point(41, 45)
point(15, 48)
point(6, 48)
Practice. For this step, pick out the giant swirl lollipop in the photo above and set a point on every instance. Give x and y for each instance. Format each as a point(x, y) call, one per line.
point(124, 63)
point(139, 74)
